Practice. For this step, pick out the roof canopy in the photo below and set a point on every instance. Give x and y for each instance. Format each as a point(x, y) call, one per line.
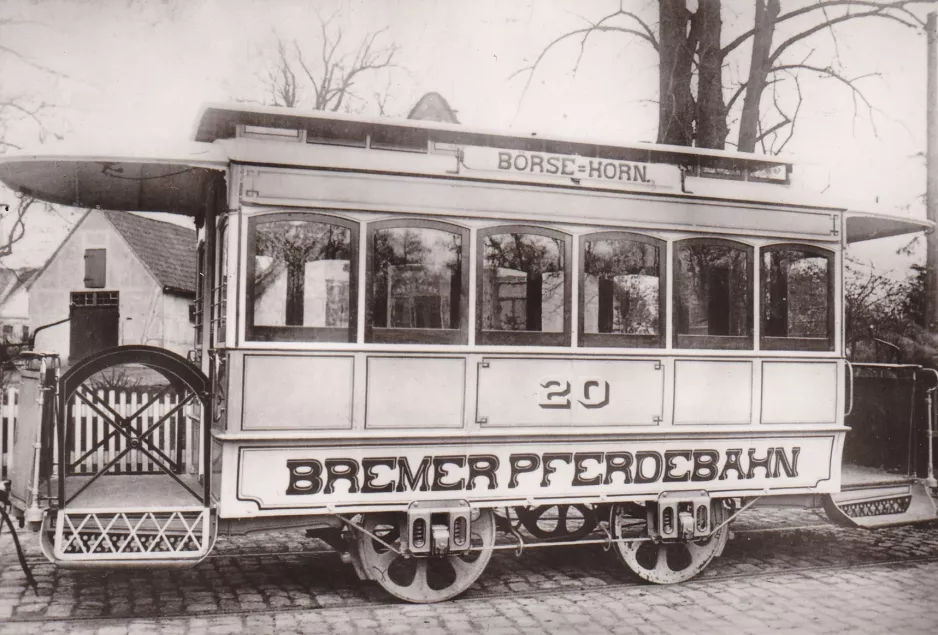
point(158, 180)
point(864, 226)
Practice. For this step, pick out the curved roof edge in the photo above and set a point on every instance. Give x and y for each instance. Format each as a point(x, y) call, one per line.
point(152, 177)
point(869, 226)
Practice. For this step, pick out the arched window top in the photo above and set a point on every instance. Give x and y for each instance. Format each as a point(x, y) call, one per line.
point(713, 240)
point(303, 216)
point(443, 225)
point(624, 235)
point(807, 249)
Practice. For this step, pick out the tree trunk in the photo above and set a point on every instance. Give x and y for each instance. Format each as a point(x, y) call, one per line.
point(766, 13)
point(711, 109)
point(675, 102)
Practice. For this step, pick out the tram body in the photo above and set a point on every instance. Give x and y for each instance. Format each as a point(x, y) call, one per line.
point(405, 327)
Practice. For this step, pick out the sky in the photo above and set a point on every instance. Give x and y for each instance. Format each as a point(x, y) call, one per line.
point(119, 70)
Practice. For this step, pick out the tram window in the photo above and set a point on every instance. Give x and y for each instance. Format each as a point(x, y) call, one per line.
point(524, 287)
point(301, 278)
point(418, 282)
point(713, 294)
point(797, 298)
point(620, 295)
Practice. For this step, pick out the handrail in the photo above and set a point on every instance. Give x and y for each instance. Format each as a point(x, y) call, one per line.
point(930, 480)
point(935, 373)
point(850, 369)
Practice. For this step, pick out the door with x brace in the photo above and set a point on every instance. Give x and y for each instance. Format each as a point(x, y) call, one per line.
point(131, 450)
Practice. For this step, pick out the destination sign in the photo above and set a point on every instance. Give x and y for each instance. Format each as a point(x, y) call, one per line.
point(578, 170)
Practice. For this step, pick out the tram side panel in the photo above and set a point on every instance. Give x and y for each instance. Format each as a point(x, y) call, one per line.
point(506, 429)
point(312, 432)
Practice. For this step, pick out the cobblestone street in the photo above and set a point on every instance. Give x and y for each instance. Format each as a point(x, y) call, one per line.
point(783, 570)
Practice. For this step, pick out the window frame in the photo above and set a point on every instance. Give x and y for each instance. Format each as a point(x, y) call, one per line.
point(95, 261)
point(255, 333)
point(397, 335)
point(772, 343)
point(523, 338)
point(712, 342)
point(624, 340)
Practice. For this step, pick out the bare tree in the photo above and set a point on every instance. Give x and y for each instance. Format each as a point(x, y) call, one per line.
point(324, 75)
point(23, 115)
point(698, 101)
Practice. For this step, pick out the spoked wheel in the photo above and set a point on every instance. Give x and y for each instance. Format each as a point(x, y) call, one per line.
point(664, 562)
point(425, 579)
point(558, 522)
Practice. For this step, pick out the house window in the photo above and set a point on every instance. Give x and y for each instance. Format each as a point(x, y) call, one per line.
point(302, 278)
point(95, 298)
point(95, 268)
point(7, 332)
point(712, 294)
point(524, 286)
point(25, 333)
point(418, 282)
point(621, 295)
point(797, 298)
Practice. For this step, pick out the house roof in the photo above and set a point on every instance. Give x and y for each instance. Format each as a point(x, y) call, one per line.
point(433, 107)
point(166, 249)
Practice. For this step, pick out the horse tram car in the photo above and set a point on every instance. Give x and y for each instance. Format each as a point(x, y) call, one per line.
point(412, 337)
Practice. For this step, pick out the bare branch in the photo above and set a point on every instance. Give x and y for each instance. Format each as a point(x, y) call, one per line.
point(829, 23)
point(646, 33)
point(331, 73)
point(850, 83)
point(18, 228)
point(794, 117)
point(878, 8)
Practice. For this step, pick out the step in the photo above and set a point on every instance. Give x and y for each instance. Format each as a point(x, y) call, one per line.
point(151, 536)
point(883, 504)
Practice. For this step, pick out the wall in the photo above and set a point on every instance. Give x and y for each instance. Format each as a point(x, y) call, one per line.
point(178, 331)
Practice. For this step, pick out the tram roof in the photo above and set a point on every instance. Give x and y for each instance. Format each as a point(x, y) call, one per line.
point(221, 121)
point(156, 176)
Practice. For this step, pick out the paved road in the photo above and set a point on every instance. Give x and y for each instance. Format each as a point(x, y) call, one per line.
point(809, 578)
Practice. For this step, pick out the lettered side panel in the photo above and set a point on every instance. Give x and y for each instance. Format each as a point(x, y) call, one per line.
point(389, 475)
point(569, 392)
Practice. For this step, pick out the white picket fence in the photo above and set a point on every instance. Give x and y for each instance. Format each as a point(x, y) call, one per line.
point(92, 443)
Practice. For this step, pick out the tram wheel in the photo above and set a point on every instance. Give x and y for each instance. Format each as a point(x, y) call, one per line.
point(423, 580)
point(558, 522)
point(665, 562)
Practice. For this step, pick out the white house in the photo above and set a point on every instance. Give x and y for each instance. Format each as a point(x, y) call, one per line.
point(120, 279)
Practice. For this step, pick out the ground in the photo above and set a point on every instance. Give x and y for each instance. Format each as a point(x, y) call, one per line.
point(782, 571)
